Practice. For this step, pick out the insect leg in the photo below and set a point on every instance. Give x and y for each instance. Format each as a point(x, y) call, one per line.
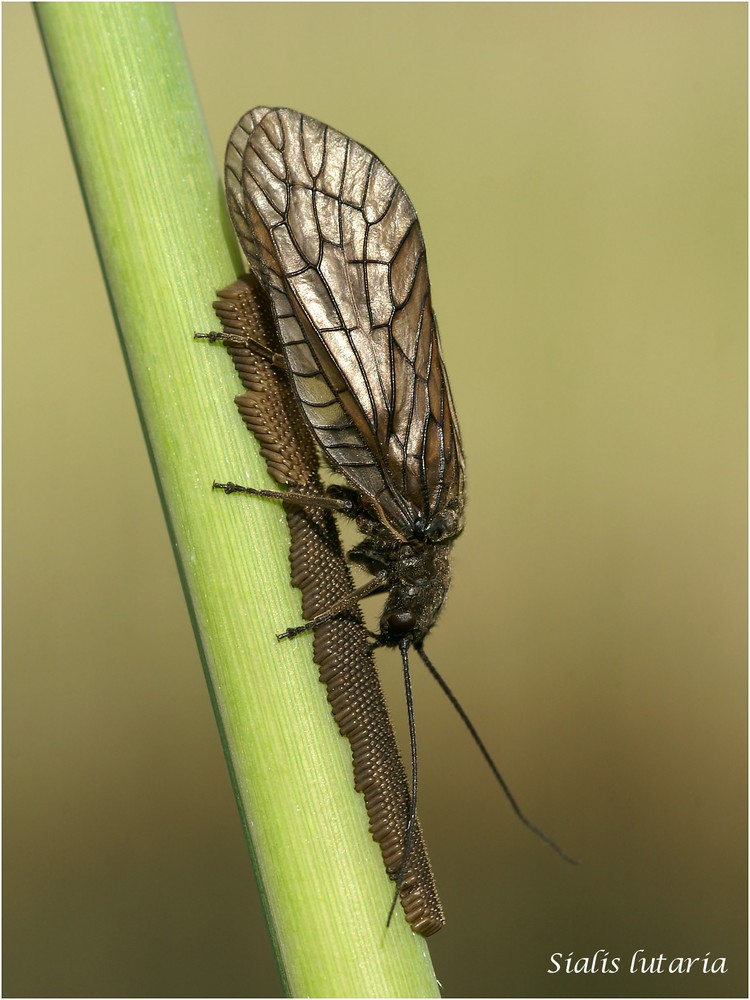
point(290, 496)
point(249, 343)
point(345, 604)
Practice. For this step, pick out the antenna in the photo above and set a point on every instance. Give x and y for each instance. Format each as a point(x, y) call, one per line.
point(486, 754)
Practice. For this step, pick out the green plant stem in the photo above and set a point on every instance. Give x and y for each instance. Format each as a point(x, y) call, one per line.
point(156, 208)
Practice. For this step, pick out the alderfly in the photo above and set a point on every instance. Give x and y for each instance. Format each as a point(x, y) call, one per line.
point(335, 243)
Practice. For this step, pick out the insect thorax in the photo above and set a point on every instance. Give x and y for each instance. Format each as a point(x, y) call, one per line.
point(420, 581)
point(418, 577)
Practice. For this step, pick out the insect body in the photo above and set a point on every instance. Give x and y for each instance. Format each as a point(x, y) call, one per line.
point(337, 246)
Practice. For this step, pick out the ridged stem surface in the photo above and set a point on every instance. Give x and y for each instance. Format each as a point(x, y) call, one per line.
point(156, 207)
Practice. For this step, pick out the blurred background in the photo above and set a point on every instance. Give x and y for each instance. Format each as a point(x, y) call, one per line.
point(580, 175)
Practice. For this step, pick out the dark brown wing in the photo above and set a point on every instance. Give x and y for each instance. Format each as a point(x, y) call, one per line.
point(336, 243)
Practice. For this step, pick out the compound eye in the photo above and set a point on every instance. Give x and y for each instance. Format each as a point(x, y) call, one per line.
point(441, 527)
point(437, 529)
point(447, 524)
point(400, 623)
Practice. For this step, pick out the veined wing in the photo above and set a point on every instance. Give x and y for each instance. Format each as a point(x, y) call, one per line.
point(336, 243)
